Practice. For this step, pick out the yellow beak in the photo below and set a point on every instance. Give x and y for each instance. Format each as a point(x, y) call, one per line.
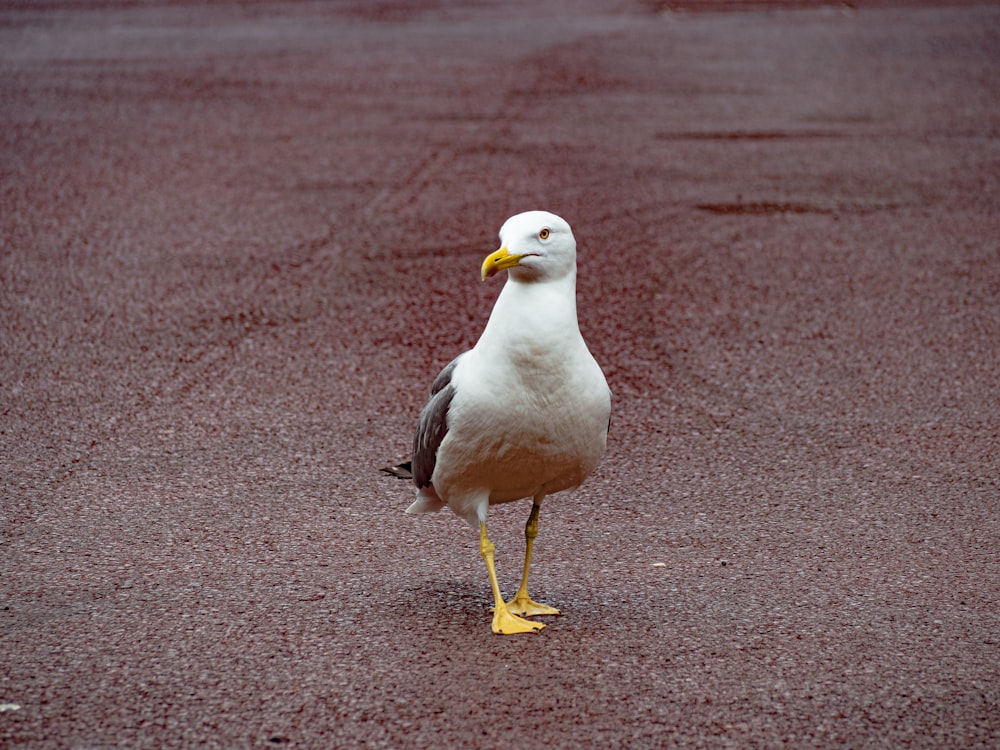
point(499, 261)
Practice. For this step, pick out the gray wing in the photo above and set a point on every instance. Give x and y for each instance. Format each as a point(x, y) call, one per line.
point(432, 426)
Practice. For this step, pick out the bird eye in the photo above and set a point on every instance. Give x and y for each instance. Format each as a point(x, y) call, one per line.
point(544, 234)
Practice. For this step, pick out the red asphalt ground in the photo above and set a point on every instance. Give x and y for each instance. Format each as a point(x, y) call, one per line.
point(240, 239)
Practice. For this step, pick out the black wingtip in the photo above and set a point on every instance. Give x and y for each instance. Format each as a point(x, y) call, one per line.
point(400, 471)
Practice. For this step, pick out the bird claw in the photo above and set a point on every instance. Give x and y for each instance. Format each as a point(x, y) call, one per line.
point(505, 623)
point(524, 605)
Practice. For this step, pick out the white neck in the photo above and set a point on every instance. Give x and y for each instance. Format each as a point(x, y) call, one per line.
point(535, 314)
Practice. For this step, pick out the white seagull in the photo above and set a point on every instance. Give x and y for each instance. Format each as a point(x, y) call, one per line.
point(525, 412)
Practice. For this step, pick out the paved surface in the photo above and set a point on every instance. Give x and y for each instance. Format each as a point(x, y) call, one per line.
point(239, 240)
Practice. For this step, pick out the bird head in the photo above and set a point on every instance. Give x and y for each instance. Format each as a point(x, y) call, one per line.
point(534, 246)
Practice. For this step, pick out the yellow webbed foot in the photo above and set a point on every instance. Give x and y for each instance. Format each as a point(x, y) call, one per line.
point(524, 605)
point(505, 623)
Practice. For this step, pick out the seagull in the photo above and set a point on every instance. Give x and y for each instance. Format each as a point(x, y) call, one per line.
point(525, 412)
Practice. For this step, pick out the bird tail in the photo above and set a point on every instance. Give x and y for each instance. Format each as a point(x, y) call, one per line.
point(427, 501)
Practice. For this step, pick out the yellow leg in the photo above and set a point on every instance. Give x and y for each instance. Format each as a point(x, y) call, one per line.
point(504, 623)
point(522, 604)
